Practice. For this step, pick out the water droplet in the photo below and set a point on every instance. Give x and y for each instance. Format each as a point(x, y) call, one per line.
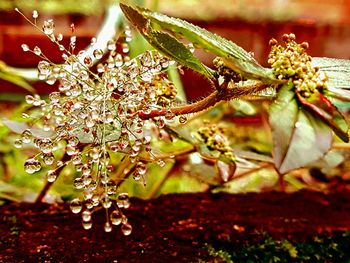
point(35, 14)
point(73, 141)
point(160, 122)
point(78, 183)
point(123, 200)
point(75, 206)
point(125, 48)
point(51, 176)
point(25, 47)
point(87, 225)
point(37, 51)
point(89, 203)
point(111, 45)
point(86, 170)
point(26, 136)
point(76, 159)
point(29, 99)
point(169, 115)
point(75, 90)
point(98, 53)
point(51, 80)
point(160, 162)
point(32, 165)
point(25, 115)
point(118, 61)
point(54, 97)
point(86, 215)
point(116, 217)
point(70, 150)
point(191, 47)
point(59, 37)
point(107, 227)
point(46, 146)
point(126, 229)
point(18, 143)
point(89, 122)
point(182, 119)
point(48, 27)
point(87, 180)
point(93, 41)
point(94, 153)
point(106, 202)
point(73, 40)
point(88, 61)
point(141, 168)
point(48, 158)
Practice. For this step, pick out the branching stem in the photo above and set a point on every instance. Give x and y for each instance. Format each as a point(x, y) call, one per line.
point(224, 92)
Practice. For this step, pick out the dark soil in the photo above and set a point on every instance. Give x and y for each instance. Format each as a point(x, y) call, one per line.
point(172, 228)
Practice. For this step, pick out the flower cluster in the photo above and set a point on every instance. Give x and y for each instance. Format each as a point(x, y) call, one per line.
point(215, 139)
point(225, 71)
point(94, 114)
point(292, 62)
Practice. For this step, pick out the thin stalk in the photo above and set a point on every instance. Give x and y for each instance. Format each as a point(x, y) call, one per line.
point(48, 185)
point(222, 93)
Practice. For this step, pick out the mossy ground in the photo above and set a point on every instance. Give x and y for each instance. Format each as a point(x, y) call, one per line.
point(265, 227)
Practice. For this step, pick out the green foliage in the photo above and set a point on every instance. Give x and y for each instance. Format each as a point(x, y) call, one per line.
point(266, 249)
point(85, 7)
point(295, 131)
point(165, 43)
point(9, 74)
point(326, 111)
point(235, 57)
point(238, 158)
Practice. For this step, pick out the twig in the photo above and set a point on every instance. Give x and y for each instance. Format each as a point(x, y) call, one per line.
point(48, 185)
point(225, 92)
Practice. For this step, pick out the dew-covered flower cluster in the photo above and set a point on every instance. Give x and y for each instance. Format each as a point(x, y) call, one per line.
point(93, 116)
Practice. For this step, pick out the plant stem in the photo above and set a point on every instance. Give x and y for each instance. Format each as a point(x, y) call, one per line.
point(48, 185)
point(224, 92)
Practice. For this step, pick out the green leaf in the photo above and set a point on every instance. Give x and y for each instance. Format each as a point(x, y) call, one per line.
point(234, 56)
point(134, 16)
point(282, 117)
point(319, 105)
point(177, 51)
point(298, 137)
point(310, 141)
point(338, 72)
point(8, 74)
point(226, 168)
point(165, 43)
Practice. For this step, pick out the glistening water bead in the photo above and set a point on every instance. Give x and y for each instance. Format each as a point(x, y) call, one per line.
point(87, 224)
point(116, 217)
point(51, 176)
point(93, 114)
point(76, 206)
point(32, 165)
point(26, 136)
point(126, 229)
point(107, 227)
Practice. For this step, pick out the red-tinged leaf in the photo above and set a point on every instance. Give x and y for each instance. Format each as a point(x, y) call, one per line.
point(138, 20)
point(298, 137)
point(325, 110)
point(311, 140)
point(226, 169)
point(282, 117)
